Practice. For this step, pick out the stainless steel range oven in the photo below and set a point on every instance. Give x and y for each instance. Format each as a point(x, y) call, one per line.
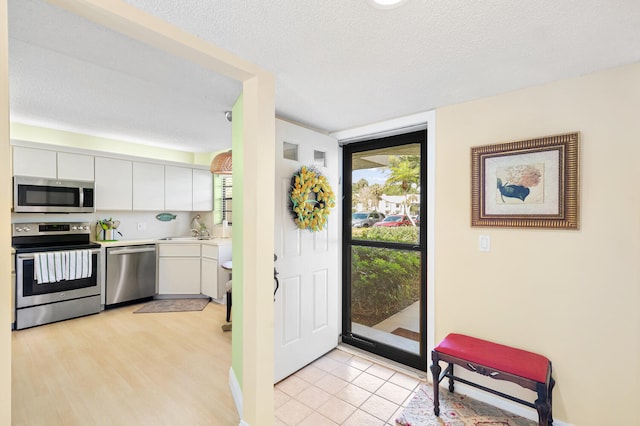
point(57, 272)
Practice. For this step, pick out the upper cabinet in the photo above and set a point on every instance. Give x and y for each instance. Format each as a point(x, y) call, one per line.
point(51, 164)
point(121, 182)
point(178, 188)
point(202, 190)
point(34, 162)
point(114, 184)
point(75, 166)
point(148, 186)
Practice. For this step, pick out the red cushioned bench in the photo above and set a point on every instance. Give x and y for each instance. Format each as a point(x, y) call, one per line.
point(500, 362)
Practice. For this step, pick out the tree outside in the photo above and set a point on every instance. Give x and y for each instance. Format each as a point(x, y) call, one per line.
point(403, 179)
point(386, 281)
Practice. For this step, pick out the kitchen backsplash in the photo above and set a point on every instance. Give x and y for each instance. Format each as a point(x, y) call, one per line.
point(133, 225)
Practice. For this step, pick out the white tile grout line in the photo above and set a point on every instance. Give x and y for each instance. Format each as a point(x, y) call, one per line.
point(421, 376)
point(383, 363)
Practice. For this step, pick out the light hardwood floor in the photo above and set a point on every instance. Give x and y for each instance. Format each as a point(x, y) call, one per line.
point(120, 368)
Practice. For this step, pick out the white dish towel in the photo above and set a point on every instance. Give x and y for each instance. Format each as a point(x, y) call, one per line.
point(51, 267)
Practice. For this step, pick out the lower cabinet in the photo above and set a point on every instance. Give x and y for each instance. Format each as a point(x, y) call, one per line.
point(193, 269)
point(214, 278)
point(209, 277)
point(179, 269)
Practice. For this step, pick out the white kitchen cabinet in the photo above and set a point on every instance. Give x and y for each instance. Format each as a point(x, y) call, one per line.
point(34, 162)
point(216, 278)
point(178, 188)
point(148, 186)
point(51, 164)
point(121, 183)
point(179, 269)
point(114, 184)
point(202, 190)
point(75, 166)
point(209, 277)
point(193, 268)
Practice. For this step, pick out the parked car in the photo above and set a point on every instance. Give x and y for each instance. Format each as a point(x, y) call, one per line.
point(395, 220)
point(365, 220)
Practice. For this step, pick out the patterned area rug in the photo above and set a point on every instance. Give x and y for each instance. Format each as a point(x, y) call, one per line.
point(455, 410)
point(173, 305)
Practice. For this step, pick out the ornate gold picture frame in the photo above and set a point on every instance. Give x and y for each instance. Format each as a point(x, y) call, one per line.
point(526, 184)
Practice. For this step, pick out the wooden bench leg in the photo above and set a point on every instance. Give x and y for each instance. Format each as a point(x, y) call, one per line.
point(435, 372)
point(544, 412)
point(543, 405)
point(552, 383)
point(451, 378)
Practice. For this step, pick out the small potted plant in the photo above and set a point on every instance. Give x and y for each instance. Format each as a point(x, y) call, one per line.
point(107, 228)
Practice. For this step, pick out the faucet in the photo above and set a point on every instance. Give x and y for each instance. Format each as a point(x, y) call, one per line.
point(200, 229)
point(201, 233)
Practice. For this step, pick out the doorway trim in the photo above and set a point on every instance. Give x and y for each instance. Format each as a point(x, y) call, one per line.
point(255, 163)
point(396, 126)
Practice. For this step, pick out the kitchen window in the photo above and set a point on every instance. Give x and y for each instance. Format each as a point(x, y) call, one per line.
point(223, 198)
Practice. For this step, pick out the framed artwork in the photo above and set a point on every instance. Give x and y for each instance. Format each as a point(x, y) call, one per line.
point(526, 184)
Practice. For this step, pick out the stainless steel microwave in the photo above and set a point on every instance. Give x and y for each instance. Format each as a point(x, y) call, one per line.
point(40, 195)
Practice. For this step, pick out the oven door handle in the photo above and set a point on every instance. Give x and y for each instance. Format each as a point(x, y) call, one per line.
point(26, 256)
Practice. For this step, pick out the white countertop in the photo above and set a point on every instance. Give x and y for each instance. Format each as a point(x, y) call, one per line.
point(120, 243)
point(185, 240)
point(210, 242)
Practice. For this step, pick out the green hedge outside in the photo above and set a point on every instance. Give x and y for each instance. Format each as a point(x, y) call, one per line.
point(383, 281)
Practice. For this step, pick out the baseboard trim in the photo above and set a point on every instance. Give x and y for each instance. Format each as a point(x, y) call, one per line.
point(236, 393)
point(504, 404)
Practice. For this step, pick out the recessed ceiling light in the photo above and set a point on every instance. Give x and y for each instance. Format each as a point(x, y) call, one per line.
point(387, 4)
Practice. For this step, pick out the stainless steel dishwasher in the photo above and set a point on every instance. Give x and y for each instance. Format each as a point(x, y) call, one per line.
point(131, 274)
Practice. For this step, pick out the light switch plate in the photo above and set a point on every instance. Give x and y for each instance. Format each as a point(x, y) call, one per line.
point(484, 243)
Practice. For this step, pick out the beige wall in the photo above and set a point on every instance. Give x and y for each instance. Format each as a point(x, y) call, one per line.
point(571, 295)
point(5, 219)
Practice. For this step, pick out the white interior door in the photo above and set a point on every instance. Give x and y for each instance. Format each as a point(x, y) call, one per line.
point(307, 304)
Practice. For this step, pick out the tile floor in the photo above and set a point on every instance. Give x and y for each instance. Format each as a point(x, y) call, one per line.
point(342, 388)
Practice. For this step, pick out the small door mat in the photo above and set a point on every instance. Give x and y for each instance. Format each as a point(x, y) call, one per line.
point(173, 305)
point(403, 332)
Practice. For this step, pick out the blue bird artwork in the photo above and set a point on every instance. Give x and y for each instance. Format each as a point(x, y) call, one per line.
point(518, 181)
point(512, 191)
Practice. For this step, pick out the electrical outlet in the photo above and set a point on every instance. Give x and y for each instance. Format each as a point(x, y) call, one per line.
point(142, 226)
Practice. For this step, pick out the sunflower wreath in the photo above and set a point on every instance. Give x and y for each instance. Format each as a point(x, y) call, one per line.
point(311, 199)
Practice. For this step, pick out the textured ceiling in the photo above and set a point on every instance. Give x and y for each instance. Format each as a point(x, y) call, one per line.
point(338, 64)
